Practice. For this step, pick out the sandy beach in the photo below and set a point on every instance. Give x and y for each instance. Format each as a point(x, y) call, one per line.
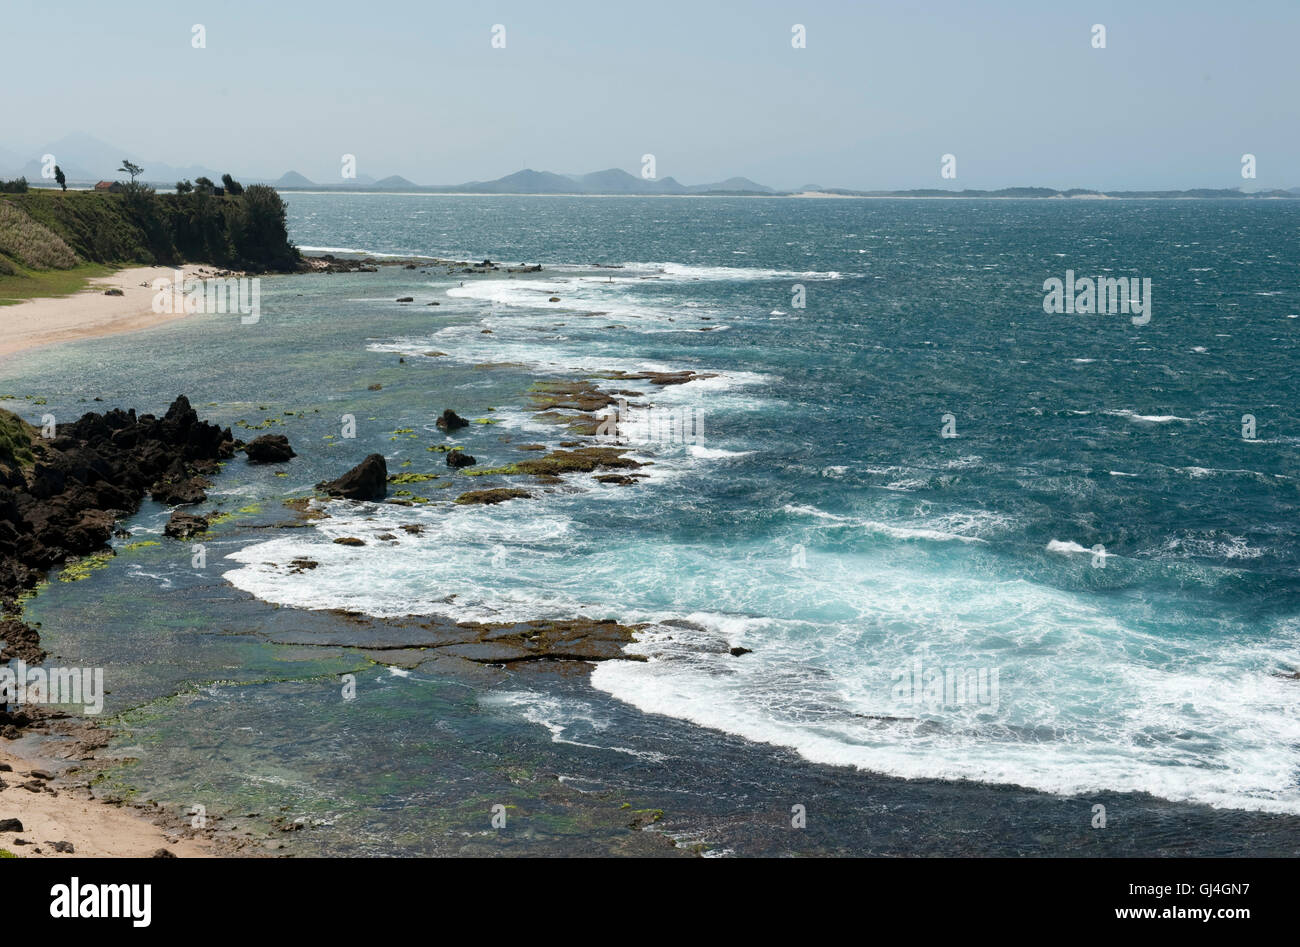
point(48, 811)
point(51, 813)
point(90, 313)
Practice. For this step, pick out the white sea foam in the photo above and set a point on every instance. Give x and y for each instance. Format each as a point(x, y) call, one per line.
point(1093, 696)
point(1146, 418)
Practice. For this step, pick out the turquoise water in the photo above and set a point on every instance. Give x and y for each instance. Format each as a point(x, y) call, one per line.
point(1098, 544)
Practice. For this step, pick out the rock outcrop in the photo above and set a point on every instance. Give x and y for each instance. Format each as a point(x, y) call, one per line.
point(451, 421)
point(368, 480)
point(60, 496)
point(269, 449)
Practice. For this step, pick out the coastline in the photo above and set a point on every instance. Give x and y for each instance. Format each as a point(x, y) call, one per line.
point(904, 793)
point(91, 313)
point(66, 820)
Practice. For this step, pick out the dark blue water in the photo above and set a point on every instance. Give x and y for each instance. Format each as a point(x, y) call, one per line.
point(1098, 550)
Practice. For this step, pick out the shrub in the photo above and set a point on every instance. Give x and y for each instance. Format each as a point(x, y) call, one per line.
point(31, 244)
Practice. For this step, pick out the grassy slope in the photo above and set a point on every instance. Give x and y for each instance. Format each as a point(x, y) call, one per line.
point(107, 232)
point(29, 284)
point(91, 223)
point(94, 224)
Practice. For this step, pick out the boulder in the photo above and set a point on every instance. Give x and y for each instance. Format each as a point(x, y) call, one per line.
point(451, 421)
point(368, 480)
point(184, 525)
point(180, 492)
point(458, 458)
point(269, 449)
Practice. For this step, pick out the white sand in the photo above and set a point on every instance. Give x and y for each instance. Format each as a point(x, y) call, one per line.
point(95, 828)
point(90, 313)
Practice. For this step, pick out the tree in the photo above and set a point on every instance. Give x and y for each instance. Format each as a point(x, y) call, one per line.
point(58, 176)
point(184, 187)
point(233, 187)
point(132, 169)
point(259, 233)
point(204, 185)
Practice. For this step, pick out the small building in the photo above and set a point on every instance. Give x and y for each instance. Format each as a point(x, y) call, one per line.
point(112, 187)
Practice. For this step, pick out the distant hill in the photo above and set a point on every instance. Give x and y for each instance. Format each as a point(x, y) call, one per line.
point(394, 182)
point(609, 181)
point(292, 179)
point(527, 181)
point(85, 159)
point(733, 184)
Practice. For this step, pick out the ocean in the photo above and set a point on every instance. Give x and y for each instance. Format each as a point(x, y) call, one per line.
point(987, 566)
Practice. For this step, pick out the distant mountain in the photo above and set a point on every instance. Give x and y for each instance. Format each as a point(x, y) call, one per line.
point(618, 181)
point(527, 181)
point(394, 182)
point(609, 181)
point(733, 184)
point(84, 158)
point(292, 179)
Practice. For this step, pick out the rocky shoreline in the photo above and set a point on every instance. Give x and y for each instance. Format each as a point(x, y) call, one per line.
point(364, 263)
point(63, 491)
point(61, 495)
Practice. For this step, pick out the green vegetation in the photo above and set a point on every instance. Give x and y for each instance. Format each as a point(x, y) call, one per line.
point(16, 437)
point(18, 284)
point(412, 478)
point(82, 567)
point(29, 244)
point(138, 226)
point(25, 284)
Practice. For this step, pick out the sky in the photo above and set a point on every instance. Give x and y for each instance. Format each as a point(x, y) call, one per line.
point(1014, 90)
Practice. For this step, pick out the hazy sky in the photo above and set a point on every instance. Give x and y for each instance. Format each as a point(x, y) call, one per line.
point(1015, 90)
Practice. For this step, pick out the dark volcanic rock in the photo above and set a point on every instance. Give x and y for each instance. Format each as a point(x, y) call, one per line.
point(451, 421)
point(184, 525)
point(10, 825)
point(60, 496)
point(458, 458)
point(180, 492)
point(269, 449)
point(368, 480)
point(20, 641)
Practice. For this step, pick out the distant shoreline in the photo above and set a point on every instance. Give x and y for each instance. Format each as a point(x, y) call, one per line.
point(915, 194)
point(828, 195)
